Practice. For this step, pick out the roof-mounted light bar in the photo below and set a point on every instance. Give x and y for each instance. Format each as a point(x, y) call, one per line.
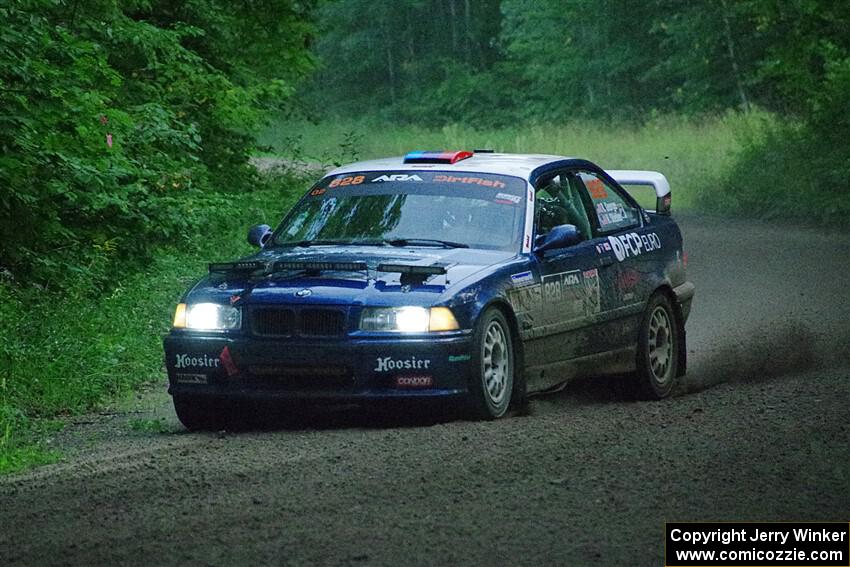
point(437, 157)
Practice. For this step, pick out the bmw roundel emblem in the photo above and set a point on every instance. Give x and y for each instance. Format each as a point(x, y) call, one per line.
point(303, 293)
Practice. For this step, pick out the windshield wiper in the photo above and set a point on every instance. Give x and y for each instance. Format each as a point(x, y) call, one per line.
point(425, 242)
point(377, 242)
point(339, 242)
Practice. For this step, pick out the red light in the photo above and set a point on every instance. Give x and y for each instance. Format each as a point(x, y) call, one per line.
point(458, 156)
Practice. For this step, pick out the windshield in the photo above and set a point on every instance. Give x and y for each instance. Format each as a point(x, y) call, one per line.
point(409, 208)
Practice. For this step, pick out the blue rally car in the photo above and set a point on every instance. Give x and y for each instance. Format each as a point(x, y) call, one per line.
point(454, 276)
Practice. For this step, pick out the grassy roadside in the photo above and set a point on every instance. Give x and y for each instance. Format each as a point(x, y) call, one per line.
point(64, 355)
point(735, 165)
point(694, 155)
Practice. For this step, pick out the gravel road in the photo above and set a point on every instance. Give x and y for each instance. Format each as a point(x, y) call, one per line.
point(759, 430)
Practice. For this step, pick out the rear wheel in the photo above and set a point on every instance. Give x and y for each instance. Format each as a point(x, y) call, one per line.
point(658, 349)
point(199, 414)
point(492, 380)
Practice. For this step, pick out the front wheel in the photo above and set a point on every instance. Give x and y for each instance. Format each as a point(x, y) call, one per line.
point(492, 380)
point(658, 349)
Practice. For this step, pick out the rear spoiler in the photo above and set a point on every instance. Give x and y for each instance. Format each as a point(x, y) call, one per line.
point(656, 180)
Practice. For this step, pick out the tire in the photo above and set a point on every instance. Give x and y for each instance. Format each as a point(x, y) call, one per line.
point(491, 382)
point(199, 414)
point(658, 350)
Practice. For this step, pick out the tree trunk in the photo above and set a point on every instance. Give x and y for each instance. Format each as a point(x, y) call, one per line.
point(391, 72)
point(730, 47)
point(453, 16)
point(470, 44)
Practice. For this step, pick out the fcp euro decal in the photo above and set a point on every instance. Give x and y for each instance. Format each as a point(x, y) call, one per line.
point(633, 244)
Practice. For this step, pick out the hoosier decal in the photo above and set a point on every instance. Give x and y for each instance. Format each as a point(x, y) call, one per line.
point(198, 361)
point(388, 363)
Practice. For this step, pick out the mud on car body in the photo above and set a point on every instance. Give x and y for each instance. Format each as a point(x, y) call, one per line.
point(456, 276)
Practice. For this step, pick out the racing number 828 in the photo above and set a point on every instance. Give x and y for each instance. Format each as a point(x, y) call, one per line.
point(342, 182)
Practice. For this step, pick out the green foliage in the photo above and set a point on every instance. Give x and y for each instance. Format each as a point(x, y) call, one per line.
point(67, 353)
point(556, 63)
point(784, 170)
point(569, 60)
point(122, 119)
point(150, 425)
point(125, 132)
point(432, 61)
point(461, 95)
point(14, 459)
point(383, 54)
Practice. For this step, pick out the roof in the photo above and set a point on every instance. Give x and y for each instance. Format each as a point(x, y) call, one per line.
point(518, 165)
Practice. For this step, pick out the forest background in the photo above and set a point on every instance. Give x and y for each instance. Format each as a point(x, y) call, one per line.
point(129, 126)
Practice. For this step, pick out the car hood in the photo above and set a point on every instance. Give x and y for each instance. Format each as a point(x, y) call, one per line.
point(346, 287)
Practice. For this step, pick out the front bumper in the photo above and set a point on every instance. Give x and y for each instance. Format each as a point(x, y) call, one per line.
point(350, 369)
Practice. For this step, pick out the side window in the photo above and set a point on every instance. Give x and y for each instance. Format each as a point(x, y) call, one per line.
point(612, 210)
point(556, 204)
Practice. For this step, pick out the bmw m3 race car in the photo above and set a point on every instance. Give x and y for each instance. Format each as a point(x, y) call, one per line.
point(472, 277)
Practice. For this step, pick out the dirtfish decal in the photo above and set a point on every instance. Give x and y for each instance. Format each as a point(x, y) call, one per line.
point(633, 244)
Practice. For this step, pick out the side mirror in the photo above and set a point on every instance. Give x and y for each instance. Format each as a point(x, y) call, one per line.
point(560, 236)
point(259, 234)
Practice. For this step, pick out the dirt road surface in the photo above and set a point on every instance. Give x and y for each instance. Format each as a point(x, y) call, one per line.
point(759, 430)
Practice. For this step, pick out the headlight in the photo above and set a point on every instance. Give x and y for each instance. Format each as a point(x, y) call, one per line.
point(408, 319)
point(207, 317)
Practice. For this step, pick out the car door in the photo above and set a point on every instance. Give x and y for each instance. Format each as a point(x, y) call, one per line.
point(570, 298)
point(625, 246)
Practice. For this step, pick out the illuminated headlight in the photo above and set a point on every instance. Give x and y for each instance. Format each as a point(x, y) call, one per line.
point(207, 317)
point(408, 319)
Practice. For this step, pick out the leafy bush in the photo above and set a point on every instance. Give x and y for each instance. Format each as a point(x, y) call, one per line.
point(66, 353)
point(125, 132)
point(120, 118)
